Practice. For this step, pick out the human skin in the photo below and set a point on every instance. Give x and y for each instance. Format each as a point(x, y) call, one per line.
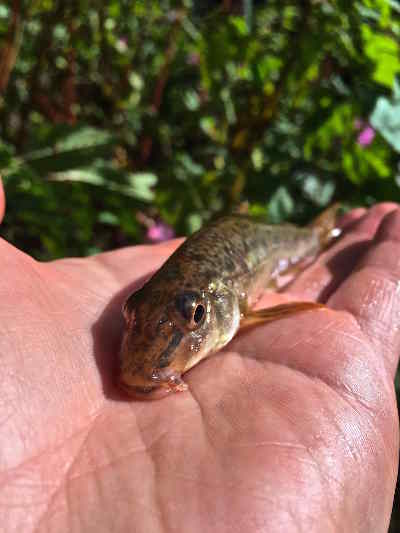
point(293, 427)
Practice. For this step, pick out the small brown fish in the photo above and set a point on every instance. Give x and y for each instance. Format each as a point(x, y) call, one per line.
point(205, 291)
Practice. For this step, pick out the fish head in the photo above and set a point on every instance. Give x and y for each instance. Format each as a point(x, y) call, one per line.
point(167, 334)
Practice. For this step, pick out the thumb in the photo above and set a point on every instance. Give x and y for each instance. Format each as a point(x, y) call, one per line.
point(2, 201)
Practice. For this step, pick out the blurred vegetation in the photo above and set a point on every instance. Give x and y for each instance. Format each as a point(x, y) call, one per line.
point(121, 115)
point(125, 121)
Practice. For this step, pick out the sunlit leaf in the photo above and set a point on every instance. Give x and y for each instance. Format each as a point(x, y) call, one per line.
point(281, 205)
point(384, 52)
point(386, 119)
point(137, 185)
point(105, 217)
point(240, 24)
point(83, 137)
point(320, 192)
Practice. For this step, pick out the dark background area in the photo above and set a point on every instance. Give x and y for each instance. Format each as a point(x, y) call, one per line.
point(124, 122)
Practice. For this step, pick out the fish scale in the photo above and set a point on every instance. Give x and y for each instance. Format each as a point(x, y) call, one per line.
point(194, 304)
point(239, 250)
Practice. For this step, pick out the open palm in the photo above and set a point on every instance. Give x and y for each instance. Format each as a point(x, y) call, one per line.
point(293, 427)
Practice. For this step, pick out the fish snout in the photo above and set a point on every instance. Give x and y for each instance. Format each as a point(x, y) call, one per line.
point(140, 386)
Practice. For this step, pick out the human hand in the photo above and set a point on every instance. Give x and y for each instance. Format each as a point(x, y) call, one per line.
point(292, 427)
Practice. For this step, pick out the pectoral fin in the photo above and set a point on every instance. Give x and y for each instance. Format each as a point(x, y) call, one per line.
point(277, 312)
point(171, 380)
point(176, 384)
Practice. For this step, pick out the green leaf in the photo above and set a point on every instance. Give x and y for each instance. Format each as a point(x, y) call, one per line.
point(281, 205)
point(83, 137)
point(6, 154)
point(384, 52)
point(141, 184)
point(257, 158)
point(240, 25)
point(92, 177)
point(268, 67)
point(338, 125)
point(194, 222)
point(67, 159)
point(192, 100)
point(189, 165)
point(320, 192)
point(137, 186)
point(106, 217)
point(363, 163)
point(385, 118)
point(4, 11)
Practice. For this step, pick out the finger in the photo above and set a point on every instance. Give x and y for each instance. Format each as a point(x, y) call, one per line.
point(2, 200)
point(372, 291)
point(350, 217)
point(322, 278)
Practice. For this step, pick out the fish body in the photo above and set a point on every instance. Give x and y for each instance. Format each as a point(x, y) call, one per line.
point(194, 304)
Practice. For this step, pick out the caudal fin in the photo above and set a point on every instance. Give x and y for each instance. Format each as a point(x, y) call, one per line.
point(326, 224)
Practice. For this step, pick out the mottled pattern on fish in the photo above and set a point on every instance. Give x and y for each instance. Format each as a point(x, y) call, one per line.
point(192, 306)
point(237, 250)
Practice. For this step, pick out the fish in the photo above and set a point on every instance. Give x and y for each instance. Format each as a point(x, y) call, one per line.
point(205, 291)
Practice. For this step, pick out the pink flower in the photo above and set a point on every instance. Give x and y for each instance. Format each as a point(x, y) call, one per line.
point(366, 136)
point(160, 232)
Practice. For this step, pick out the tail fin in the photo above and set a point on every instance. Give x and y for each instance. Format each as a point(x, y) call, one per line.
point(326, 225)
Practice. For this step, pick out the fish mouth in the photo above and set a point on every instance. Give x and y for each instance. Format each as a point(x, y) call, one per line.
point(149, 392)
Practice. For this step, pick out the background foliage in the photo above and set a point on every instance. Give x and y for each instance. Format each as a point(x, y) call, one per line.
point(119, 116)
point(129, 121)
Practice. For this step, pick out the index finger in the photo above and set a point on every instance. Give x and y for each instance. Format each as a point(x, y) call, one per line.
point(372, 292)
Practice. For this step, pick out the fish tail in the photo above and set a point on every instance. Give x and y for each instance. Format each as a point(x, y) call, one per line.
point(326, 225)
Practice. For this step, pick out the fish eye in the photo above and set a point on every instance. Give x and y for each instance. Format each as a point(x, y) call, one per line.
point(190, 309)
point(198, 313)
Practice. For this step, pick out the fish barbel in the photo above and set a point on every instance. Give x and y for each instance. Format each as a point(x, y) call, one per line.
point(196, 302)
